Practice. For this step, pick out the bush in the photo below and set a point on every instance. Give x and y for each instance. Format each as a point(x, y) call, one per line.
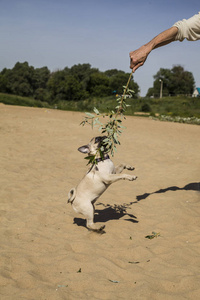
point(146, 108)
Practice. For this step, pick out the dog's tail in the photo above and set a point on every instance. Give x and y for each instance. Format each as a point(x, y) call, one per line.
point(71, 195)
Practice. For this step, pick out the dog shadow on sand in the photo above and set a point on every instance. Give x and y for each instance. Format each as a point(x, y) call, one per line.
point(110, 212)
point(116, 212)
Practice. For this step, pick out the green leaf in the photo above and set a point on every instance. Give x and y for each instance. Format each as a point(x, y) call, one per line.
point(106, 140)
point(83, 123)
point(114, 281)
point(62, 285)
point(101, 154)
point(90, 115)
point(115, 136)
point(152, 236)
point(89, 157)
point(96, 111)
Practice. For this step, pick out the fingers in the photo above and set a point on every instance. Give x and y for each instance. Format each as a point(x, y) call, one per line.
point(135, 65)
point(138, 58)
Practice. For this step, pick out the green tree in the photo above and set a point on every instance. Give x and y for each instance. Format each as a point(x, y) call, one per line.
point(98, 85)
point(82, 73)
point(175, 81)
point(183, 81)
point(18, 80)
point(24, 80)
point(40, 78)
point(74, 89)
point(3, 82)
point(63, 86)
point(21, 79)
point(118, 79)
point(39, 83)
point(75, 83)
point(105, 83)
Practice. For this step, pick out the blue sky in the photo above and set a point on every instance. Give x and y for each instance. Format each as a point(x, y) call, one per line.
point(60, 33)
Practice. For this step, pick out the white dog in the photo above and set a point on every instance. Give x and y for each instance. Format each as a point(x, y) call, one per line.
point(95, 182)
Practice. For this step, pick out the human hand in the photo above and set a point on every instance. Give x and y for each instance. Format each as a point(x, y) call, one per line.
point(138, 57)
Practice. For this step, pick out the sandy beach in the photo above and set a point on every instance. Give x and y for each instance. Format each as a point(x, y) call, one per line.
point(47, 253)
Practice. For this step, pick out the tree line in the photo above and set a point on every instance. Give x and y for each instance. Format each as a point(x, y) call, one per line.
point(176, 81)
point(82, 81)
point(78, 82)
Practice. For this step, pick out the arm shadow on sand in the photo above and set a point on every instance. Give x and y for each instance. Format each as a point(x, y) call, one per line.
point(195, 186)
point(110, 212)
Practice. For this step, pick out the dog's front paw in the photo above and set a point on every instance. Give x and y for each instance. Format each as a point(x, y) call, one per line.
point(132, 178)
point(130, 168)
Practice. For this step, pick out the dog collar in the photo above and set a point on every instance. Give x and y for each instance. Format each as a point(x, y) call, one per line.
point(102, 159)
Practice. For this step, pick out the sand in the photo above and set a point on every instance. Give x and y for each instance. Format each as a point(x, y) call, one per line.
point(47, 253)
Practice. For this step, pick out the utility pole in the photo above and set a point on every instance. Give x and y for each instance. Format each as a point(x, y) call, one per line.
point(161, 88)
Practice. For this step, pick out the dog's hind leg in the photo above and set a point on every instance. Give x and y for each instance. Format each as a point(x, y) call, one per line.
point(89, 215)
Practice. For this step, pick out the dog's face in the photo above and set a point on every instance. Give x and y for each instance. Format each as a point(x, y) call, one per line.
point(93, 145)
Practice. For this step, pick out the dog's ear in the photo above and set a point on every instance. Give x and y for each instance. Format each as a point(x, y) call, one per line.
point(84, 149)
point(99, 139)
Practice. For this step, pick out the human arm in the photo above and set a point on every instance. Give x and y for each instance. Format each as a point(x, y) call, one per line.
point(189, 29)
point(139, 56)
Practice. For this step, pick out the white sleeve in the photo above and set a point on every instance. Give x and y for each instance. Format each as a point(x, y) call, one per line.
point(188, 29)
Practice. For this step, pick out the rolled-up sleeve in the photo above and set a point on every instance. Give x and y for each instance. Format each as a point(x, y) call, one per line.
point(188, 29)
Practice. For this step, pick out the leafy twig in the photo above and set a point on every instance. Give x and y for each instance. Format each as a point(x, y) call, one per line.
point(153, 235)
point(112, 128)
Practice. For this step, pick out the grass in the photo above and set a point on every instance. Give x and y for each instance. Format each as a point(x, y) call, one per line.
point(168, 108)
point(22, 101)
